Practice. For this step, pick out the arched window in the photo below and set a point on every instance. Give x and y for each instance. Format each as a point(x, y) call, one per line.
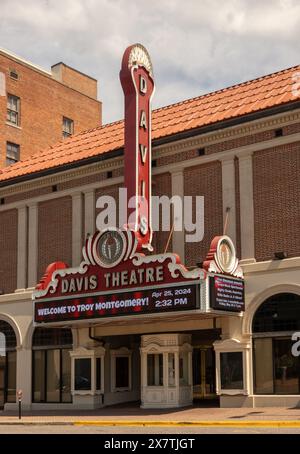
point(52, 365)
point(276, 370)
point(8, 361)
point(279, 313)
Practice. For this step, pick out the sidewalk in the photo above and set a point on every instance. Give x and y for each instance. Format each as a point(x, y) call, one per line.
point(133, 415)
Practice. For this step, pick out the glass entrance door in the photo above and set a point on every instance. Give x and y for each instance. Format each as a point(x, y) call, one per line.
point(204, 373)
point(2, 381)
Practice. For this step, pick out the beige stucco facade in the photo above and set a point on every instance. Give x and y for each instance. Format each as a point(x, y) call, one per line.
point(262, 281)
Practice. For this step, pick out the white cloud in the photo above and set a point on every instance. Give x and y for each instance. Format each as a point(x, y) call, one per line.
point(196, 45)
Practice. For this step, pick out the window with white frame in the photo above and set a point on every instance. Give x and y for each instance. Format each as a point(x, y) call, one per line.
point(87, 370)
point(121, 369)
point(231, 370)
point(83, 374)
point(155, 374)
point(13, 109)
point(12, 153)
point(68, 127)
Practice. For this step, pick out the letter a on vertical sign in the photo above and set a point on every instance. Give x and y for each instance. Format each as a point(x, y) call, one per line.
point(136, 77)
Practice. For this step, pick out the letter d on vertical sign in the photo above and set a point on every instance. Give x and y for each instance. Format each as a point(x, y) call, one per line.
point(137, 81)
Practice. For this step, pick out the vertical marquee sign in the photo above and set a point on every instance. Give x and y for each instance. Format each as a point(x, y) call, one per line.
point(136, 77)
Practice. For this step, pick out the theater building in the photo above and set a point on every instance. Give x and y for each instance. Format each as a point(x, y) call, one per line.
point(93, 318)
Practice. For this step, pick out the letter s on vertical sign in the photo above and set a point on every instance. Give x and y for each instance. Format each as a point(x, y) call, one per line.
point(296, 345)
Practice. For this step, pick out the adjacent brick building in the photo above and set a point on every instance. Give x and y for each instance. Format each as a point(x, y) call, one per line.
point(38, 108)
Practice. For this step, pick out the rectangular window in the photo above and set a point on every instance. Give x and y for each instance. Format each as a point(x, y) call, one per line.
point(51, 375)
point(11, 376)
point(171, 369)
point(183, 369)
point(98, 374)
point(39, 369)
point(12, 153)
point(232, 370)
point(286, 367)
point(277, 371)
point(68, 127)
point(83, 374)
point(155, 369)
point(122, 371)
point(263, 366)
point(13, 109)
point(66, 395)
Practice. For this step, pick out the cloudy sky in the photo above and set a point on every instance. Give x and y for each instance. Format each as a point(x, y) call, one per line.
point(196, 46)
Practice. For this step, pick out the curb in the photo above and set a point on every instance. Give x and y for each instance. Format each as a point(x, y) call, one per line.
point(122, 423)
point(230, 424)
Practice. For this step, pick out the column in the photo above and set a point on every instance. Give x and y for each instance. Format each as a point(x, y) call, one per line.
point(144, 375)
point(32, 244)
point(176, 358)
point(76, 228)
point(178, 238)
point(89, 213)
point(246, 209)
point(22, 249)
point(228, 195)
point(165, 373)
point(24, 369)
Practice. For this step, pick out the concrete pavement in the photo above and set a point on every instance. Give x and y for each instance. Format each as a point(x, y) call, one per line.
point(132, 415)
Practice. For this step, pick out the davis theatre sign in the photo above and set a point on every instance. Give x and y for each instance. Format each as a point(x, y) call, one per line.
point(116, 280)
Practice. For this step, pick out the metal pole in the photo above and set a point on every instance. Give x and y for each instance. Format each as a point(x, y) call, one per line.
point(169, 237)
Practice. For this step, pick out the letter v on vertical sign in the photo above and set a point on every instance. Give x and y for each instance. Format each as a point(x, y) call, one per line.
point(143, 151)
point(137, 81)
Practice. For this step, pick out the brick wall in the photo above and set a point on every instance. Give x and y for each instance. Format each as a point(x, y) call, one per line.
point(8, 250)
point(74, 79)
point(54, 233)
point(205, 180)
point(111, 191)
point(161, 185)
point(227, 145)
point(276, 201)
point(44, 102)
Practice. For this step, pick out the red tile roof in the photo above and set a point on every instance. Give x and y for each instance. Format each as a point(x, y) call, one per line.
point(233, 102)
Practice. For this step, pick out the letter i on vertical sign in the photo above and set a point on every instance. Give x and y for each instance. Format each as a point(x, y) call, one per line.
point(137, 81)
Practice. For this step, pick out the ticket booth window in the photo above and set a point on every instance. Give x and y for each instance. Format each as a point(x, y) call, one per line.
point(183, 370)
point(87, 372)
point(171, 369)
point(166, 370)
point(155, 369)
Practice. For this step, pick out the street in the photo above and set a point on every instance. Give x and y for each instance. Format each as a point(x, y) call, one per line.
point(108, 430)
